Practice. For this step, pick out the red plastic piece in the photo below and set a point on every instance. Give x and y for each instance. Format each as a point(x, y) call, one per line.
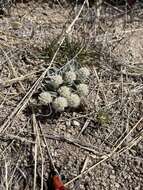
point(57, 183)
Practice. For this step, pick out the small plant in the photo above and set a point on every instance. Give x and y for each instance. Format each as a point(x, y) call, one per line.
point(67, 51)
point(56, 81)
point(60, 104)
point(45, 98)
point(73, 101)
point(64, 91)
point(70, 77)
point(82, 90)
point(103, 118)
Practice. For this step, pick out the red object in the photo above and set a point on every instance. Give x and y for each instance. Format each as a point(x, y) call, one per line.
point(57, 183)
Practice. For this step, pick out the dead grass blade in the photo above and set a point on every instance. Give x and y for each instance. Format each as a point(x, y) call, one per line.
point(29, 94)
point(106, 157)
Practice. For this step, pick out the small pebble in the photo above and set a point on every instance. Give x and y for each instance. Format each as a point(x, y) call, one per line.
point(75, 123)
point(117, 185)
point(138, 187)
point(68, 123)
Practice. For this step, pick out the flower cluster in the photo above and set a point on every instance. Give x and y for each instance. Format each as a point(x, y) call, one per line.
point(69, 88)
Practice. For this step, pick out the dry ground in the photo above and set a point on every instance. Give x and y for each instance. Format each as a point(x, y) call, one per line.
point(97, 147)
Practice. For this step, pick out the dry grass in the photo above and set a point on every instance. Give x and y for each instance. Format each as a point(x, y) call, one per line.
point(87, 145)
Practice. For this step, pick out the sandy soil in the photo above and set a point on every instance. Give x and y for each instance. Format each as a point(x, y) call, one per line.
point(106, 152)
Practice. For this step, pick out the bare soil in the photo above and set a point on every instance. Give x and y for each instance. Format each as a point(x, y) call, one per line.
point(108, 152)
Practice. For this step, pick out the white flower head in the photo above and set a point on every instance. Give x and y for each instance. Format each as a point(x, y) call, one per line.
point(70, 77)
point(45, 98)
point(83, 73)
point(82, 90)
point(64, 91)
point(73, 100)
point(60, 104)
point(56, 81)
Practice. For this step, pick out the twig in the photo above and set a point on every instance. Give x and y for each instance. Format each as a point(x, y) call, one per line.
point(85, 164)
point(29, 94)
point(116, 8)
point(132, 143)
point(38, 142)
point(84, 127)
point(13, 140)
point(135, 126)
point(35, 149)
point(48, 150)
point(106, 156)
point(12, 68)
point(74, 142)
point(86, 171)
point(21, 78)
point(13, 173)
point(100, 85)
point(6, 176)
point(22, 139)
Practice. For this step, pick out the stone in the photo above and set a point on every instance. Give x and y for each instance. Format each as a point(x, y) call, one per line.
point(75, 123)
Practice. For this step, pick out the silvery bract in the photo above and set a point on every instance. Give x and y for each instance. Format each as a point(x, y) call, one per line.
point(83, 73)
point(45, 98)
point(60, 104)
point(82, 90)
point(64, 91)
point(70, 77)
point(56, 81)
point(68, 89)
point(73, 100)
